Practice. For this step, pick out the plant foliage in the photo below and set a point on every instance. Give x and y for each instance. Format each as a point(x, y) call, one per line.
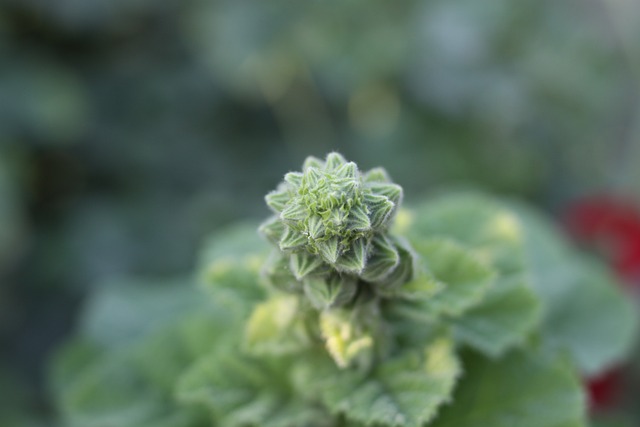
point(460, 311)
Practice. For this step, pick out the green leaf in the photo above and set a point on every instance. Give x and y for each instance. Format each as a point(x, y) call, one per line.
point(466, 279)
point(243, 391)
point(510, 311)
point(421, 289)
point(277, 272)
point(276, 327)
point(521, 389)
point(505, 318)
point(585, 313)
point(235, 242)
point(475, 221)
point(330, 291)
point(133, 386)
point(235, 282)
point(403, 391)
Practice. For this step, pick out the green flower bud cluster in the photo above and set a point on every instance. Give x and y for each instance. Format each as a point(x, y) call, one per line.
point(331, 227)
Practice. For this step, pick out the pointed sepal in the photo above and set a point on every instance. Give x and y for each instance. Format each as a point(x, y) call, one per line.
point(292, 239)
point(376, 175)
point(332, 291)
point(315, 227)
point(403, 273)
point(312, 162)
point(392, 192)
point(294, 178)
point(384, 258)
point(354, 259)
point(380, 208)
point(329, 250)
point(358, 218)
point(294, 212)
point(273, 229)
point(277, 200)
point(348, 170)
point(302, 263)
point(334, 161)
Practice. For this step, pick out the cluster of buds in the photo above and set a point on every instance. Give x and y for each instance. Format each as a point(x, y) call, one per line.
point(331, 227)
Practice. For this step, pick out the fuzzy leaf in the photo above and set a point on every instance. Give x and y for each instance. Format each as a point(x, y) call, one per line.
point(403, 391)
point(243, 391)
point(466, 279)
point(585, 313)
point(510, 311)
point(113, 392)
point(505, 318)
point(332, 291)
point(518, 390)
point(233, 281)
point(383, 259)
point(422, 289)
point(132, 386)
point(277, 271)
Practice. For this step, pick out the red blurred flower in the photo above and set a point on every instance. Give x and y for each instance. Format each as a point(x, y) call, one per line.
point(613, 227)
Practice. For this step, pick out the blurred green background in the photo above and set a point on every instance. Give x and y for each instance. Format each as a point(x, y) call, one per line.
point(130, 129)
